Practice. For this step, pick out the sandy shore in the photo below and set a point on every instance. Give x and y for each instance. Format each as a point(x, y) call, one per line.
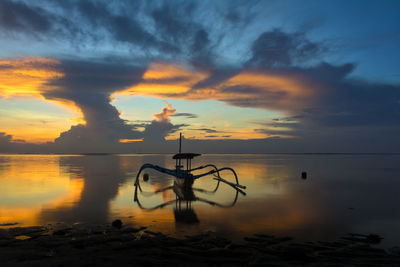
point(105, 245)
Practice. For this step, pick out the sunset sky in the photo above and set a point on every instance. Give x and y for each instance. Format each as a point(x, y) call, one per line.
point(233, 76)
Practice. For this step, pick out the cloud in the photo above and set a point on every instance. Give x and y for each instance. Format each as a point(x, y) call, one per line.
point(289, 119)
point(5, 143)
point(18, 16)
point(171, 23)
point(165, 113)
point(89, 86)
point(102, 24)
point(124, 28)
point(279, 49)
point(170, 51)
point(5, 138)
point(207, 130)
point(27, 77)
point(165, 80)
point(9, 144)
point(187, 115)
point(161, 126)
point(322, 94)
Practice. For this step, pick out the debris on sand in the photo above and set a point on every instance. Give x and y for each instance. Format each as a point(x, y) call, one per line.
point(104, 245)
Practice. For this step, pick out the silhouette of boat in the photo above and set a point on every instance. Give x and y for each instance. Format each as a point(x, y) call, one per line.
point(183, 186)
point(185, 177)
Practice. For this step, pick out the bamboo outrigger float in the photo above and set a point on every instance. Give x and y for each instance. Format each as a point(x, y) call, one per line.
point(185, 176)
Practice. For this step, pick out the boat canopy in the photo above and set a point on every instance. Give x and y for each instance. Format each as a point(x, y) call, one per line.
point(185, 155)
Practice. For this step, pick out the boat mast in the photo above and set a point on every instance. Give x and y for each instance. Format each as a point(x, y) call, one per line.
point(180, 143)
point(180, 151)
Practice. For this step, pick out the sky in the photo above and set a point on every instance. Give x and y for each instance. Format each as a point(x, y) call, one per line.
point(232, 76)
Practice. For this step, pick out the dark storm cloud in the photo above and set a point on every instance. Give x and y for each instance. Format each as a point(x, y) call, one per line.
point(239, 13)
point(288, 119)
point(175, 25)
point(21, 17)
point(123, 27)
point(173, 22)
point(36, 21)
point(276, 49)
point(334, 97)
point(207, 130)
point(354, 103)
point(345, 101)
point(5, 138)
point(272, 133)
point(217, 76)
point(89, 86)
point(187, 115)
point(161, 126)
point(280, 124)
point(160, 30)
point(102, 21)
point(172, 30)
point(156, 131)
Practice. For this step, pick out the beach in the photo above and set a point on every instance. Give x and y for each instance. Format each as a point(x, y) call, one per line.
point(122, 245)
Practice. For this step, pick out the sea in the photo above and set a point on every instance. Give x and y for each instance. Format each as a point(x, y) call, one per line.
point(310, 197)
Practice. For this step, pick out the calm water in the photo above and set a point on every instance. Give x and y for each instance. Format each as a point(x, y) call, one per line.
point(343, 193)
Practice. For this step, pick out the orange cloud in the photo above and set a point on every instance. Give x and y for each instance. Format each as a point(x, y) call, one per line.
point(271, 90)
point(30, 78)
point(251, 88)
point(164, 79)
point(167, 111)
point(275, 91)
point(130, 140)
point(27, 77)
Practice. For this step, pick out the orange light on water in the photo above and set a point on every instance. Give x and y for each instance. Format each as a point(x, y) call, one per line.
point(31, 183)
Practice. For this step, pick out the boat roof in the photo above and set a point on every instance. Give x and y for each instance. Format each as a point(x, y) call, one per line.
point(185, 155)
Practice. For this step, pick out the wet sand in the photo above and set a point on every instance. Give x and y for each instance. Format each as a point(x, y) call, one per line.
point(106, 245)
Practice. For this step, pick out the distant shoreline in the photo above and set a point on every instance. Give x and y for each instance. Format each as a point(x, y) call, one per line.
point(140, 154)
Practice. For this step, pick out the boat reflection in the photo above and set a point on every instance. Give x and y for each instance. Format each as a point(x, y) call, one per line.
point(185, 196)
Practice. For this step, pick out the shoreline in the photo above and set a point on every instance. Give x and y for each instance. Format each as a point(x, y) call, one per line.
point(107, 245)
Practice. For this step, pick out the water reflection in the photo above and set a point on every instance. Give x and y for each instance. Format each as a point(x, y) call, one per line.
point(31, 182)
point(185, 196)
point(342, 193)
point(101, 176)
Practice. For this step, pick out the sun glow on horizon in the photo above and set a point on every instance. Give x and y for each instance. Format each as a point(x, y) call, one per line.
point(24, 81)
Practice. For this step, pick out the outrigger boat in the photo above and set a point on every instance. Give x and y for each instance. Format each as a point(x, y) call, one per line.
point(183, 187)
point(184, 176)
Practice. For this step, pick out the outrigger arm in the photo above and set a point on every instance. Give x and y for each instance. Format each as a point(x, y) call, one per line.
point(187, 175)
